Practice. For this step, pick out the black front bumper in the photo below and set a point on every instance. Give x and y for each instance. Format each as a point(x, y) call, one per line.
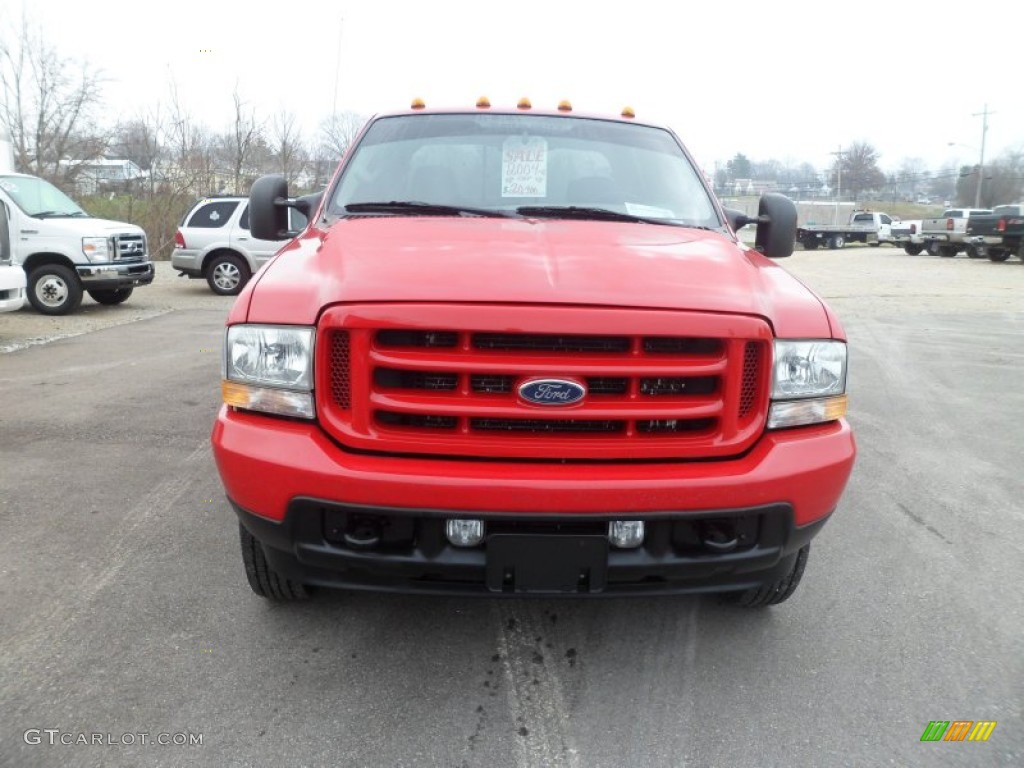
point(405, 550)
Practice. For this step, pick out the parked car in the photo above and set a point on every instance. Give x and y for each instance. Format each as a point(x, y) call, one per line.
point(947, 235)
point(213, 242)
point(871, 227)
point(66, 253)
point(12, 277)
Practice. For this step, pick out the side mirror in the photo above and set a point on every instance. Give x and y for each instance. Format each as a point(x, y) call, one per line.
point(776, 226)
point(268, 208)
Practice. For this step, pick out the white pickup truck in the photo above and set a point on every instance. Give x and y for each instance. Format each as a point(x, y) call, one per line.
point(947, 235)
point(871, 227)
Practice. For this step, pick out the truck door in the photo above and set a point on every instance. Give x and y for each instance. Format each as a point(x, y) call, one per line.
point(18, 239)
point(884, 228)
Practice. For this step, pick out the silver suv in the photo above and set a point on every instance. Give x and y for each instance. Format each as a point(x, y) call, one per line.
point(213, 242)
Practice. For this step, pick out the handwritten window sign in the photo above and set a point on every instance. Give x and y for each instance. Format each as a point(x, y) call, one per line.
point(524, 167)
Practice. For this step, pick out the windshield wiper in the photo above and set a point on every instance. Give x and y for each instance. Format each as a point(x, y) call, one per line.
point(57, 214)
point(601, 214)
point(583, 212)
point(424, 209)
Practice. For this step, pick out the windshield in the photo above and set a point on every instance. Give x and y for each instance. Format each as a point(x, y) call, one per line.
point(533, 164)
point(39, 198)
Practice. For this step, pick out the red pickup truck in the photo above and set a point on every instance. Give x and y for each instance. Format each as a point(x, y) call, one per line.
point(519, 352)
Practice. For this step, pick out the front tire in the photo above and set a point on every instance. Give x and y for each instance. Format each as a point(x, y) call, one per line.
point(775, 592)
point(837, 241)
point(111, 296)
point(913, 250)
point(53, 289)
point(227, 275)
point(997, 254)
point(264, 580)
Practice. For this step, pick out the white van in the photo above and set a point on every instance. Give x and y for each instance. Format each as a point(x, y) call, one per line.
point(64, 252)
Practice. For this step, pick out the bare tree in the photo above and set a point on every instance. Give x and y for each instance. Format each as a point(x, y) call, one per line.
point(339, 130)
point(286, 144)
point(860, 172)
point(48, 105)
point(246, 134)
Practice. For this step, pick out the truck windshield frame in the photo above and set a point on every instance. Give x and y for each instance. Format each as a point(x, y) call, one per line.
point(35, 197)
point(504, 161)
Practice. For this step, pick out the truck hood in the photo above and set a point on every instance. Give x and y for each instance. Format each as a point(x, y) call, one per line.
point(533, 261)
point(82, 227)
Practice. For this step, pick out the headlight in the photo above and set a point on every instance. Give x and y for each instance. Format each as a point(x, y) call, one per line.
point(96, 249)
point(269, 368)
point(808, 383)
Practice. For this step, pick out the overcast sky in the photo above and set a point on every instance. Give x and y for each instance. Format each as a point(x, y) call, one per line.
point(790, 80)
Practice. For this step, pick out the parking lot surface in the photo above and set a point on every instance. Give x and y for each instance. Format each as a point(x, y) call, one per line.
point(125, 611)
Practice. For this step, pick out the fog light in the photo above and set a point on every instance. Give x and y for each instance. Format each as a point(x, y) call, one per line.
point(626, 534)
point(465, 533)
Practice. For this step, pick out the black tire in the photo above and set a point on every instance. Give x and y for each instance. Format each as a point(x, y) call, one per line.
point(837, 241)
point(775, 592)
point(53, 289)
point(263, 579)
point(973, 253)
point(111, 296)
point(948, 251)
point(934, 247)
point(998, 254)
point(913, 250)
point(227, 274)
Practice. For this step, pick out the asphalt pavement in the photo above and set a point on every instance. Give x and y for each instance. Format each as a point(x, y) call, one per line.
point(126, 620)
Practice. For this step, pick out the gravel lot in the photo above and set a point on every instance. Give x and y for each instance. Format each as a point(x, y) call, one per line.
point(168, 292)
point(126, 611)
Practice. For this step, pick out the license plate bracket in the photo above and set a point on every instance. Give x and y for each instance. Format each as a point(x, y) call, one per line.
point(546, 564)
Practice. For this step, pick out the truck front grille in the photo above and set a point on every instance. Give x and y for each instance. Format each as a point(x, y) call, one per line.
point(455, 390)
point(130, 247)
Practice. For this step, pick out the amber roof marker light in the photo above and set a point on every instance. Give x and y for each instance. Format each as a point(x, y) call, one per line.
point(524, 103)
point(483, 102)
point(628, 112)
point(418, 104)
point(564, 106)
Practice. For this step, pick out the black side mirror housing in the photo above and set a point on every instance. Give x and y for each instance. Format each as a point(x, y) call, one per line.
point(269, 204)
point(776, 226)
point(268, 208)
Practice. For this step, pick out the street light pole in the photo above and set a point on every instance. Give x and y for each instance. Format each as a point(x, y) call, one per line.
point(981, 161)
point(839, 182)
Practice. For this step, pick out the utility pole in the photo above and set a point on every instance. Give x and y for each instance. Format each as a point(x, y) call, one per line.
point(981, 161)
point(839, 181)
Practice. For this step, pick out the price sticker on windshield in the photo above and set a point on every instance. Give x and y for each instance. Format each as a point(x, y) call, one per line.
point(524, 167)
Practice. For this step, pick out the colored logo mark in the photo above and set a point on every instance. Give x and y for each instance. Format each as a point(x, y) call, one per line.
point(958, 730)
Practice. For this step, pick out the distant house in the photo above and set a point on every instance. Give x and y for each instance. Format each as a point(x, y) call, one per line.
point(106, 173)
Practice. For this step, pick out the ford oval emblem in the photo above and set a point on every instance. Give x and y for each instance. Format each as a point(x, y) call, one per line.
point(551, 392)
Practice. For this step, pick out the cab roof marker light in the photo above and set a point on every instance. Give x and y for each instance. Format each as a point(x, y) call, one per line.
point(564, 106)
point(483, 102)
point(628, 112)
point(418, 104)
point(524, 103)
